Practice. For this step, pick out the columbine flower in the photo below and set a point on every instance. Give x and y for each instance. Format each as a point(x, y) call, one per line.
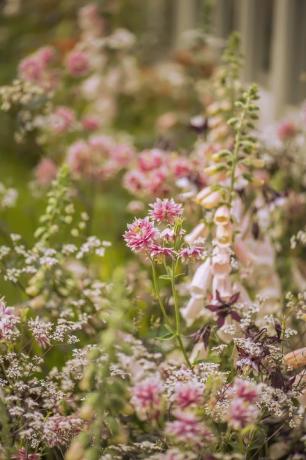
point(191, 253)
point(159, 252)
point(147, 399)
point(165, 210)
point(77, 63)
point(188, 394)
point(140, 235)
point(224, 308)
point(241, 414)
point(187, 428)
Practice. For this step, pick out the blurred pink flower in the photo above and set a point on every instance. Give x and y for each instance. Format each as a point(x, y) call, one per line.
point(241, 414)
point(244, 390)
point(286, 130)
point(62, 119)
point(45, 172)
point(187, 428)
point(147, 399)
point(188, 394)
point(91, 123)
point(77, 63)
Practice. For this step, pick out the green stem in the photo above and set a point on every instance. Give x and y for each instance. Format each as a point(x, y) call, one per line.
point(178, 318)
point(157, 295)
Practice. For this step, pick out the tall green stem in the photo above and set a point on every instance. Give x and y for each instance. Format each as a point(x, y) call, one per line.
point(178, 318)
point(157, 294)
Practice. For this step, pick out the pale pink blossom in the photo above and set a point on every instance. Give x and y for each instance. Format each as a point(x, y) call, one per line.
point(221, 261)
point(140, 235)
point(188, 394)
point(286, 130)
point(245, 390)
point(77, 63)
point(31, 69)
point(46, 54)
point(187, 428)
point(8, 322)
point(91, 123)
point(193, 309)
point(147, 399)
point(223, 285)
point(191, 253)
point(159, 252)
point(45, 172)
point(241, 414)
point(166, 210)
point(62, 119)
point(224, 234)
point(201, 279)
point(151, 159)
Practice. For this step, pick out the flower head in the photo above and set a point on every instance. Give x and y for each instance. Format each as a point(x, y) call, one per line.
point(147, 398)
point(188, 394)
point(140, 235)
point(166, 210)
point(241, 414)
point(77, 63)
point(188, 428)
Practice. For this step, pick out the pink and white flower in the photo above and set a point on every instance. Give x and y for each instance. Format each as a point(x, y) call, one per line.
point(166, 210)
point(140, 235)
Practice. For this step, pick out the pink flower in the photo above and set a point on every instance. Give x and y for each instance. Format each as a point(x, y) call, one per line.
point(140, 235)
point(22, 454)
point(31, 69)
point(62, 119)
point(241, 414)
point(79, 159)
point(188, 394)
point(151, 159)
point(90, 123)
point(181, 167)
point(45, 172)
point(122, 154)
point(159, 252)
point(134, 181)
point(77, 63)
point(46, 54)
point(147, 399)
point(244, 390)
point(165, 210)
point(187, 428)
point(8, 322)
point(286, 130)
point(191, 253)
